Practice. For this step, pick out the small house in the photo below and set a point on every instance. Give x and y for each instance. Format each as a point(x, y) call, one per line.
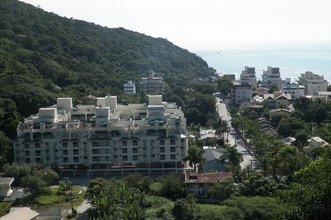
point(199, 183)
point(5, 186)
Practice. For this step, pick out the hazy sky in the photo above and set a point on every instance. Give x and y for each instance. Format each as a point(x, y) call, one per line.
point(207, 24)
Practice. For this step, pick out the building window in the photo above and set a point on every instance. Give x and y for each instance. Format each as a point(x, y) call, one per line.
point(135, 150)
point(135, 143)
point(65, 152)
point(75, 152)
point(124, 143)
point(37, 152)
point(76, 159)
point(37, 145)
point(172, 149)
point(173, 156)
point(125, 158)
point(124, 150)
point(27, 160)
point(27, 153)
point(26, 145)
point(75, 144)
point(162, 142)
point(172, 142)
point(64, 144)
point(65, 159)
point(162, 149)
point(135, 157)
point(162, 157)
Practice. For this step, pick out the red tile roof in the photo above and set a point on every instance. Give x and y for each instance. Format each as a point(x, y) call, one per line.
point(207, 177)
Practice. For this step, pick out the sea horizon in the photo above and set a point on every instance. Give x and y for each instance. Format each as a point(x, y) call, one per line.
point(293, 60)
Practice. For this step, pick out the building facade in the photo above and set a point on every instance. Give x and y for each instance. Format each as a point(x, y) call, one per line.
point(152, 84)
point(107, 137)
point(129, 88)
point(241, 92)
point(313, 83)
point(248, 76)
point(271, 76)
point(294, 89)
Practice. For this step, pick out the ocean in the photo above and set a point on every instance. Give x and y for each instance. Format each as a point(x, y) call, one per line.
point(293, 60)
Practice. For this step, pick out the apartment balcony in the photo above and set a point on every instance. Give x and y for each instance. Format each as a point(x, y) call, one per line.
point(101, 153)
point(101, 160)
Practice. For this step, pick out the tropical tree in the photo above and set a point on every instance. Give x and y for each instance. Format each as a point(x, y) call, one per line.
point(186, 209)
point(34, 186)
point(194, 156)
point(287, 161)
point(223, 190)
point(231, 157)
point(171, 187)
point(5, 146)
point(221, 127)
point(309, 196)
point(258, 185)
point(115, 199)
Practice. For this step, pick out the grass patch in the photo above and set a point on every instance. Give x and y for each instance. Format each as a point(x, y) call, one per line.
point(5, 207)
point(56, 199)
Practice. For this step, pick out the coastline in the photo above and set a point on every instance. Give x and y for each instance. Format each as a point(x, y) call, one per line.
point(293, 60)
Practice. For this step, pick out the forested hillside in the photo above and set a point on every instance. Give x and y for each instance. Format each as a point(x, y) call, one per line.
point(44, 56)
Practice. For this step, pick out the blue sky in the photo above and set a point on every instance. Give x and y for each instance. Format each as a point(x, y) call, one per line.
point(207, 24)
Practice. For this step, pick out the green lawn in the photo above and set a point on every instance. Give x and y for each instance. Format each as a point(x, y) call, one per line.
point(5, 207)
point(56, 199)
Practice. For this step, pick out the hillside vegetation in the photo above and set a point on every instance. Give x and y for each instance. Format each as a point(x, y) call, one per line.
point(44, 56)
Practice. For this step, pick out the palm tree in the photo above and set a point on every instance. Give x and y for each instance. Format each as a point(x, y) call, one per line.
point(221, 127)
point(232, 157)
point(194, 156)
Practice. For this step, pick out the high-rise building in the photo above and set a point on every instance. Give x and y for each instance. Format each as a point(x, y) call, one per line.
point(107, 137)
point(271, 76)
point(248, 75)
point(313, 83)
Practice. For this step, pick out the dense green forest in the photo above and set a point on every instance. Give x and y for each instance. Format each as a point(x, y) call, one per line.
point(44, 56)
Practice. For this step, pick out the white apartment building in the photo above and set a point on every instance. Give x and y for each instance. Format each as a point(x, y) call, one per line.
point(107, 137)
point(313, 83)
point(294, 89)
point(271, 76)
point(248, 76)
point(129, 88)
point(241, 92)
point(152, 84)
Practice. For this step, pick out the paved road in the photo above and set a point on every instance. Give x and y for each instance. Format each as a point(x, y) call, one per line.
point(233, 138)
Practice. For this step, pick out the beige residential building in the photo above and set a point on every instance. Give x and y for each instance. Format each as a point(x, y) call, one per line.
point(106, 137)
point(152, 84)
point(313, 83)
point(248, 76)
point(241, 91)
point(271, 76)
